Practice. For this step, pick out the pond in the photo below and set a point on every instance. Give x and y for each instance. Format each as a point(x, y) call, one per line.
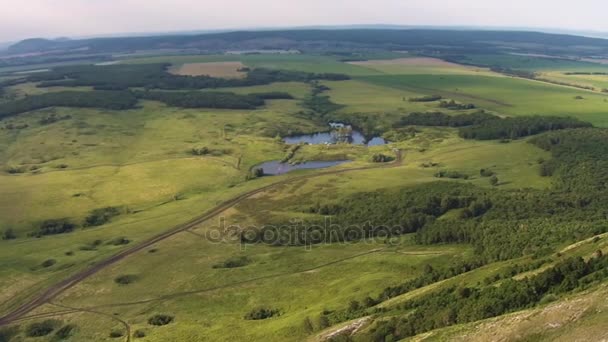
point(275, 167)
point(339, 133)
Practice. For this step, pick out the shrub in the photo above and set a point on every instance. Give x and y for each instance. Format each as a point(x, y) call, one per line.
point(381, 158)
point(428, 98)
point(40, 329)
point(53, 227)
point(451, 174)
point(160, 319)
point(116, 334)
point(200, 151)
point(101, 216)
point(48, 263)
point(234, 262)
point(9, 234)
point(6, 334)
point(261, 313)
point(15, 169)
point(125, 279)
point(139, 334)
point(65, 332)
point(255, 173)
point(486, 173)
point(119, 241)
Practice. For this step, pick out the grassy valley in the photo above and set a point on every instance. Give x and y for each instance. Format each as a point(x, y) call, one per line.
point(133, 205)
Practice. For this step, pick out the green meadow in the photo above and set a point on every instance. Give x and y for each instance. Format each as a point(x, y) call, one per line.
point(143, 162)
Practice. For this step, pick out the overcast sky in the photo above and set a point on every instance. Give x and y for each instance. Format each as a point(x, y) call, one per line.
point(21, 19)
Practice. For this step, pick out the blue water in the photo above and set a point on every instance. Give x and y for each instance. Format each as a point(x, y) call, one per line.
point(356, 138)
point(275, 167)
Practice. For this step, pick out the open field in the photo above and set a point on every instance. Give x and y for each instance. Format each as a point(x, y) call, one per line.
point(530, 63)
point(420, 65)
point(64, 163)
point(596, 81)
point(505, 95)
point(213, 69)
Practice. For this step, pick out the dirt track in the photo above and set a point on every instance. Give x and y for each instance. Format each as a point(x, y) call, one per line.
point(55, 290)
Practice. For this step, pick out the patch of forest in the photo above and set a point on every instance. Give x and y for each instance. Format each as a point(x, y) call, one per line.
point(115, 100)
point(156, 76)
point(484, 126)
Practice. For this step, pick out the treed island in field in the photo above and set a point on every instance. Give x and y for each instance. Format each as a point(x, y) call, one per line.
point(441, 187)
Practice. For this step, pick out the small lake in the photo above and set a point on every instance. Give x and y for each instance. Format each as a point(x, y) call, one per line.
point(339, 133)
point(275, 167)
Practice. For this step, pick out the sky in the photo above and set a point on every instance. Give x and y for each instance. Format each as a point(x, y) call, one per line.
point(20, 19)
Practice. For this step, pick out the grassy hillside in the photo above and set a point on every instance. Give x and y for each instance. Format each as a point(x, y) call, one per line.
point(81, 185)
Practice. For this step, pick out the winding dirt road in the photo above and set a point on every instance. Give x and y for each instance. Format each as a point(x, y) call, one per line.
point(55, 290)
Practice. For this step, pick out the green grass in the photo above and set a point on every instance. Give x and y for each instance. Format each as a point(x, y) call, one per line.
point(139, 159)
point(531, 63)
point(505, 95)
point(596, 81)
point(307, 63)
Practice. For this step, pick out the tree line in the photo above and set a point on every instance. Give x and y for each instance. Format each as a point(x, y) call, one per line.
point(115, 100)
point(156, 76)
point(127, 99)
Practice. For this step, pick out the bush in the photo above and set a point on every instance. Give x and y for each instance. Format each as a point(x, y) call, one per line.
point(53, 227)
point(381, 158)
point(486, 173)
point(119, 241)
point(139, 334)
point(428, 98)
point(255, 173)
point(451, 174)
point(116, 334)
point(234, 262)
point(101, 216)
point(261, 313)
point(65, 332)
point(15, 169)
point(6, 334)
point(200, 151)
point(160, 319)
point(48, 263)
point(126, 279)
point(40, 329)
point(9, 234)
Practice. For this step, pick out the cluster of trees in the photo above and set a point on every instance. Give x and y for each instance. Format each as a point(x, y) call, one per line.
point(234, 262)
point(457, 305)
point(514, 72)
point(453, 105)
point(262, 313)
point(116, 100)
point(53, 118)
point(442, 119)
point(520, 126)
point(368, 215)
point(101, 216)
point(427, 98)
point(125, 99)
point(273, 95)
point(155, 76)
point(53, 227)
point(451, 174)
point(382, 158)
point(196, 99)
point(320, 105)
point(585, 73)
point(160, 319)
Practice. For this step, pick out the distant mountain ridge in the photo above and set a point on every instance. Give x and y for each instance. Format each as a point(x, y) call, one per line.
point(343, 38)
